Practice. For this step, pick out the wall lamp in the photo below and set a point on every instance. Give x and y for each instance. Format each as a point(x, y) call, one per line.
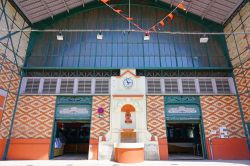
point(59, 36)
point(147, 36)
point(99, 36)
point(204, 39)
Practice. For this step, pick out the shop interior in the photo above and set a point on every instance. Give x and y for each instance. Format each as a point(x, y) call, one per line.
point(72, 140)
point(184, 141)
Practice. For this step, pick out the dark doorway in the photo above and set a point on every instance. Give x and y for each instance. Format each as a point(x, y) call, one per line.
point(184, 141)
point(72, 141)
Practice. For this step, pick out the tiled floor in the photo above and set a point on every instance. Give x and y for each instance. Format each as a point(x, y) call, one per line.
point(72, 156)
point(184, 157)
point(110, 163)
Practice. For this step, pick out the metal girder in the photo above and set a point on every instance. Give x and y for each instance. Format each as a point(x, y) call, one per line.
point(10, 37)
point(234, 9)
point(47, 8)
point(66, 6)
point(172, 3)
point(207, 9)
point(83, 3)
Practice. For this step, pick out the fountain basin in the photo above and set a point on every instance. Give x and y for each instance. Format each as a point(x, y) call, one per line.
point(129, 152)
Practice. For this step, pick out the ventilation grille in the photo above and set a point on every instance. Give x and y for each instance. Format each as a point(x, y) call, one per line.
point(188, 86)
point(171, 86)
point(206, 86)
point(102, 86)
point(223, 86)
point(49, 86)
point(154, 85)
point(32, 86)
point(84, 86)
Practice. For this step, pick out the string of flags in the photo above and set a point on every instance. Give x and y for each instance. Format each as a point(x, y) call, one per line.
point(156, 26)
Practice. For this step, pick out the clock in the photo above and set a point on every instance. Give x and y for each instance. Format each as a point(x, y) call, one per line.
point(128, 82)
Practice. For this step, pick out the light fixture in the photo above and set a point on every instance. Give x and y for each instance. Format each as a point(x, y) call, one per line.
point(99, 36)
point(204, 39)
point(147, 36)
point(59, 36)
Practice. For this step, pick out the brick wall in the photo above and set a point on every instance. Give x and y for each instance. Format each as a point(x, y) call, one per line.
point(220, 111)
point(239, 52)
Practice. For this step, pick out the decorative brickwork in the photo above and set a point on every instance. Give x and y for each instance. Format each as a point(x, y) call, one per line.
point(239, 52)
point(34, 117)
point(220, 111)
point(156, 116)
point(9, 81)
point(100, 125)
point(7, 115)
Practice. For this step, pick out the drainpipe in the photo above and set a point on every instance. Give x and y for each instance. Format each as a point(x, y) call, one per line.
point(211, 148)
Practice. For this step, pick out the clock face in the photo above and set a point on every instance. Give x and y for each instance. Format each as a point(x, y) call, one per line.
point(128, 82)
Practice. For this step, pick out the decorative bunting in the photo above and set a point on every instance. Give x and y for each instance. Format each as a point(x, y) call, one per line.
point(118, 11)
point(104, 1)
point(153, 28)
point(129, 18)
point(170, 16)
point(181, 6)
point(162, 23)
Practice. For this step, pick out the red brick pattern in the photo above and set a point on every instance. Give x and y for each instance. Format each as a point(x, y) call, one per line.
point(34, 117)
point(7, 115)
point(156, 116)
point(100, 125)
point(220, 111)
point(9, 81)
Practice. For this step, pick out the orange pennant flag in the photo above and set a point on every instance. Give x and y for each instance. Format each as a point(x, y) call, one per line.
point(162, 23)
point(118, 11)
point(181, 6)
point(129, 18)
point(171, 16)
point(104, 1)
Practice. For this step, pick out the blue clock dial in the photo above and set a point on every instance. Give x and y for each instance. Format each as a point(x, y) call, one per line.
point(128, 82)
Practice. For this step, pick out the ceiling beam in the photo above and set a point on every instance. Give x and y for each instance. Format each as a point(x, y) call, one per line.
point(207, 9)
point(66, 6)
point(233, 10)
point(47, 8)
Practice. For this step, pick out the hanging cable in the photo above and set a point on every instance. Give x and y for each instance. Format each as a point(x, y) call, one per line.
point(124, 30)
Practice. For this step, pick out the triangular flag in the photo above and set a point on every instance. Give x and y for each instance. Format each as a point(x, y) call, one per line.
point(118, 11)
point(162, 23)
point(129, 18)
point(181, 6)
point(104, 1)
point(171, 16)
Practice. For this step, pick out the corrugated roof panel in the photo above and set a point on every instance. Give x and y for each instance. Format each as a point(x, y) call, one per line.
point(216, 10)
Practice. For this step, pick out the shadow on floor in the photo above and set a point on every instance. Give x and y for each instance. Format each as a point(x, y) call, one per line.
point(72, 156)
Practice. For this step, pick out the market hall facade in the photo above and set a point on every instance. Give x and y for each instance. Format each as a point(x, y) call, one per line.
point(98, 95)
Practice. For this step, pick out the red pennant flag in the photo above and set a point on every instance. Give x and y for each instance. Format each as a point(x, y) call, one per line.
point(181, 6)
point(118, 11)
point(129, 18)
point(136, 25)
point(104, 1)
point(162, 23)
point(171, 16)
